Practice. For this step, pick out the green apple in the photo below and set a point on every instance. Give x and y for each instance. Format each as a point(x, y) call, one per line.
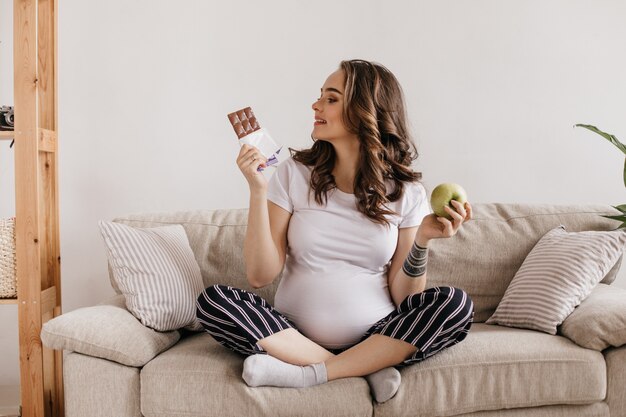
point(441, 196)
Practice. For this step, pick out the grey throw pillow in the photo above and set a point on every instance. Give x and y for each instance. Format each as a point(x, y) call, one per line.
point(556, 276)
point(599, 321)
point(106, 331)
point(157, 273)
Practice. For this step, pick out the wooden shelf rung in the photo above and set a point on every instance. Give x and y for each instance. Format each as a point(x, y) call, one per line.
point(47, 140)
point(6, 134)
point(8, 300)
point(48, 299)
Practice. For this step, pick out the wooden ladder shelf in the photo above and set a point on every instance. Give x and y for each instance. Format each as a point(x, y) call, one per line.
point(36, 203)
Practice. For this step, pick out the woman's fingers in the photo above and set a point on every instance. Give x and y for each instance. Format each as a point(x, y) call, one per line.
point(463, 211)
point(253, 162)
point(456, 216)
point(245, 153)
point(470, 213)
point(460, 215)
point(249, 156)
point(448, 228)
point(459, 208)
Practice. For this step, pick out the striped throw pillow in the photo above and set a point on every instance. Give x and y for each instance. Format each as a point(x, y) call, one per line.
point(157, 273)
point(557, 275)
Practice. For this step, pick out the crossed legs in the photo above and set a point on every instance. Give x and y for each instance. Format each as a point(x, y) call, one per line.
point(371, 359)
point(244, 322)
point(373, 354)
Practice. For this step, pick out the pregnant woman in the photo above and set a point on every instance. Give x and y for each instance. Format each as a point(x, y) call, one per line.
point(348, 224)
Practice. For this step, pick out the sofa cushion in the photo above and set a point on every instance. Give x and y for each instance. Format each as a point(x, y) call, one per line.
point(616, 375)
point(500, 367)
point(199, 377)
point(216, 238)
point(558, 273)
point(95, 387)
point(107, 331)
point(599, 409)
point(600, 320)
point(157, 273)
point(483, 257)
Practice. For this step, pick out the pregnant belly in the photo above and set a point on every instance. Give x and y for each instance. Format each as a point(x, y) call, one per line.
point(334, 311)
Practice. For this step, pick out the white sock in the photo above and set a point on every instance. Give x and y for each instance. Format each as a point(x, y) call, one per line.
point(384, 383)
point(265, 370)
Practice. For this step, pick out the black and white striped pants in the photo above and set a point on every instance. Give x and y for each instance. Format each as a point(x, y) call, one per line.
point(431, 321)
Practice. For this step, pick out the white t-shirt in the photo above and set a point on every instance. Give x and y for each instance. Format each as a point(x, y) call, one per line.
point(334, 285)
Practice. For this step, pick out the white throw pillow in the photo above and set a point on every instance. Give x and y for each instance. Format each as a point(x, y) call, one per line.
point(157, 273)
point(557, 275)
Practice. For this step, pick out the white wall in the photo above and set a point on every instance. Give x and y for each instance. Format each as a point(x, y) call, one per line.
point(493, 89)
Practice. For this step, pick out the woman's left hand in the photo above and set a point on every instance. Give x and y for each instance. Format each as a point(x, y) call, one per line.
point(435, 227)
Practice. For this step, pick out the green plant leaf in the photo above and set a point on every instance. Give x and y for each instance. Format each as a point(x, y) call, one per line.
point(607, 136)
point(624, 172)
point(621, 207)
point(621, 217)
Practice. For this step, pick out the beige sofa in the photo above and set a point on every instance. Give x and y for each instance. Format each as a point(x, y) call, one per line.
point(114, 366)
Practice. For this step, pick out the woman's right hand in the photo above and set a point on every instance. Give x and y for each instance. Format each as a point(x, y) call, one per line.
point(249, 159)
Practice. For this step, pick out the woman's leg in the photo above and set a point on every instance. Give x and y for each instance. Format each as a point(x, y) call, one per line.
point(450, 323)
point(246, 323)
point(423, 324)
point(371, 355)
point(293, 347)
point(238, 319)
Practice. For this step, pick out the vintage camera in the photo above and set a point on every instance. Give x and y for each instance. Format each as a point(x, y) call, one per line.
point(7, 119)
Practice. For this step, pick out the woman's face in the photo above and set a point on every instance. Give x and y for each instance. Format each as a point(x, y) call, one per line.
point(328, 124)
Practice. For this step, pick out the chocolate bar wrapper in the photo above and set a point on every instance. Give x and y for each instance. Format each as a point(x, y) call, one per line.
point(262, 140)
point(249, 132)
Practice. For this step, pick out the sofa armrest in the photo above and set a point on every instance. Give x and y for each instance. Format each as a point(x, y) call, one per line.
point(107, 331)
point(599, 321)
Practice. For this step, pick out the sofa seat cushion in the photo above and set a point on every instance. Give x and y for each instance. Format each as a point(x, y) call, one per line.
point(499, 367)
point(199, 377)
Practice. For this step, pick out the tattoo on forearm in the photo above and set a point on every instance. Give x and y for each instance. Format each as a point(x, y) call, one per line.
point(415, 264)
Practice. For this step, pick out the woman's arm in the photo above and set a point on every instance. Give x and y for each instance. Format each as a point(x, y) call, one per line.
point(265, 245)
point(402, 285)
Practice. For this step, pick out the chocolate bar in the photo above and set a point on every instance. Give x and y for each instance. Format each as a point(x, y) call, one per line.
point(244, 122)
point(249, 131)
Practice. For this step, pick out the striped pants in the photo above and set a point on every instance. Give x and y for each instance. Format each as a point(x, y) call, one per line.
point(431, 321)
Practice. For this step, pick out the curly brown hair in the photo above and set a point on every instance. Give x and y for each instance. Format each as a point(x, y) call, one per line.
point(373, 109)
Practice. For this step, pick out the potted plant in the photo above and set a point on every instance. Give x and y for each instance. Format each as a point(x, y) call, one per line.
point(622, 207)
